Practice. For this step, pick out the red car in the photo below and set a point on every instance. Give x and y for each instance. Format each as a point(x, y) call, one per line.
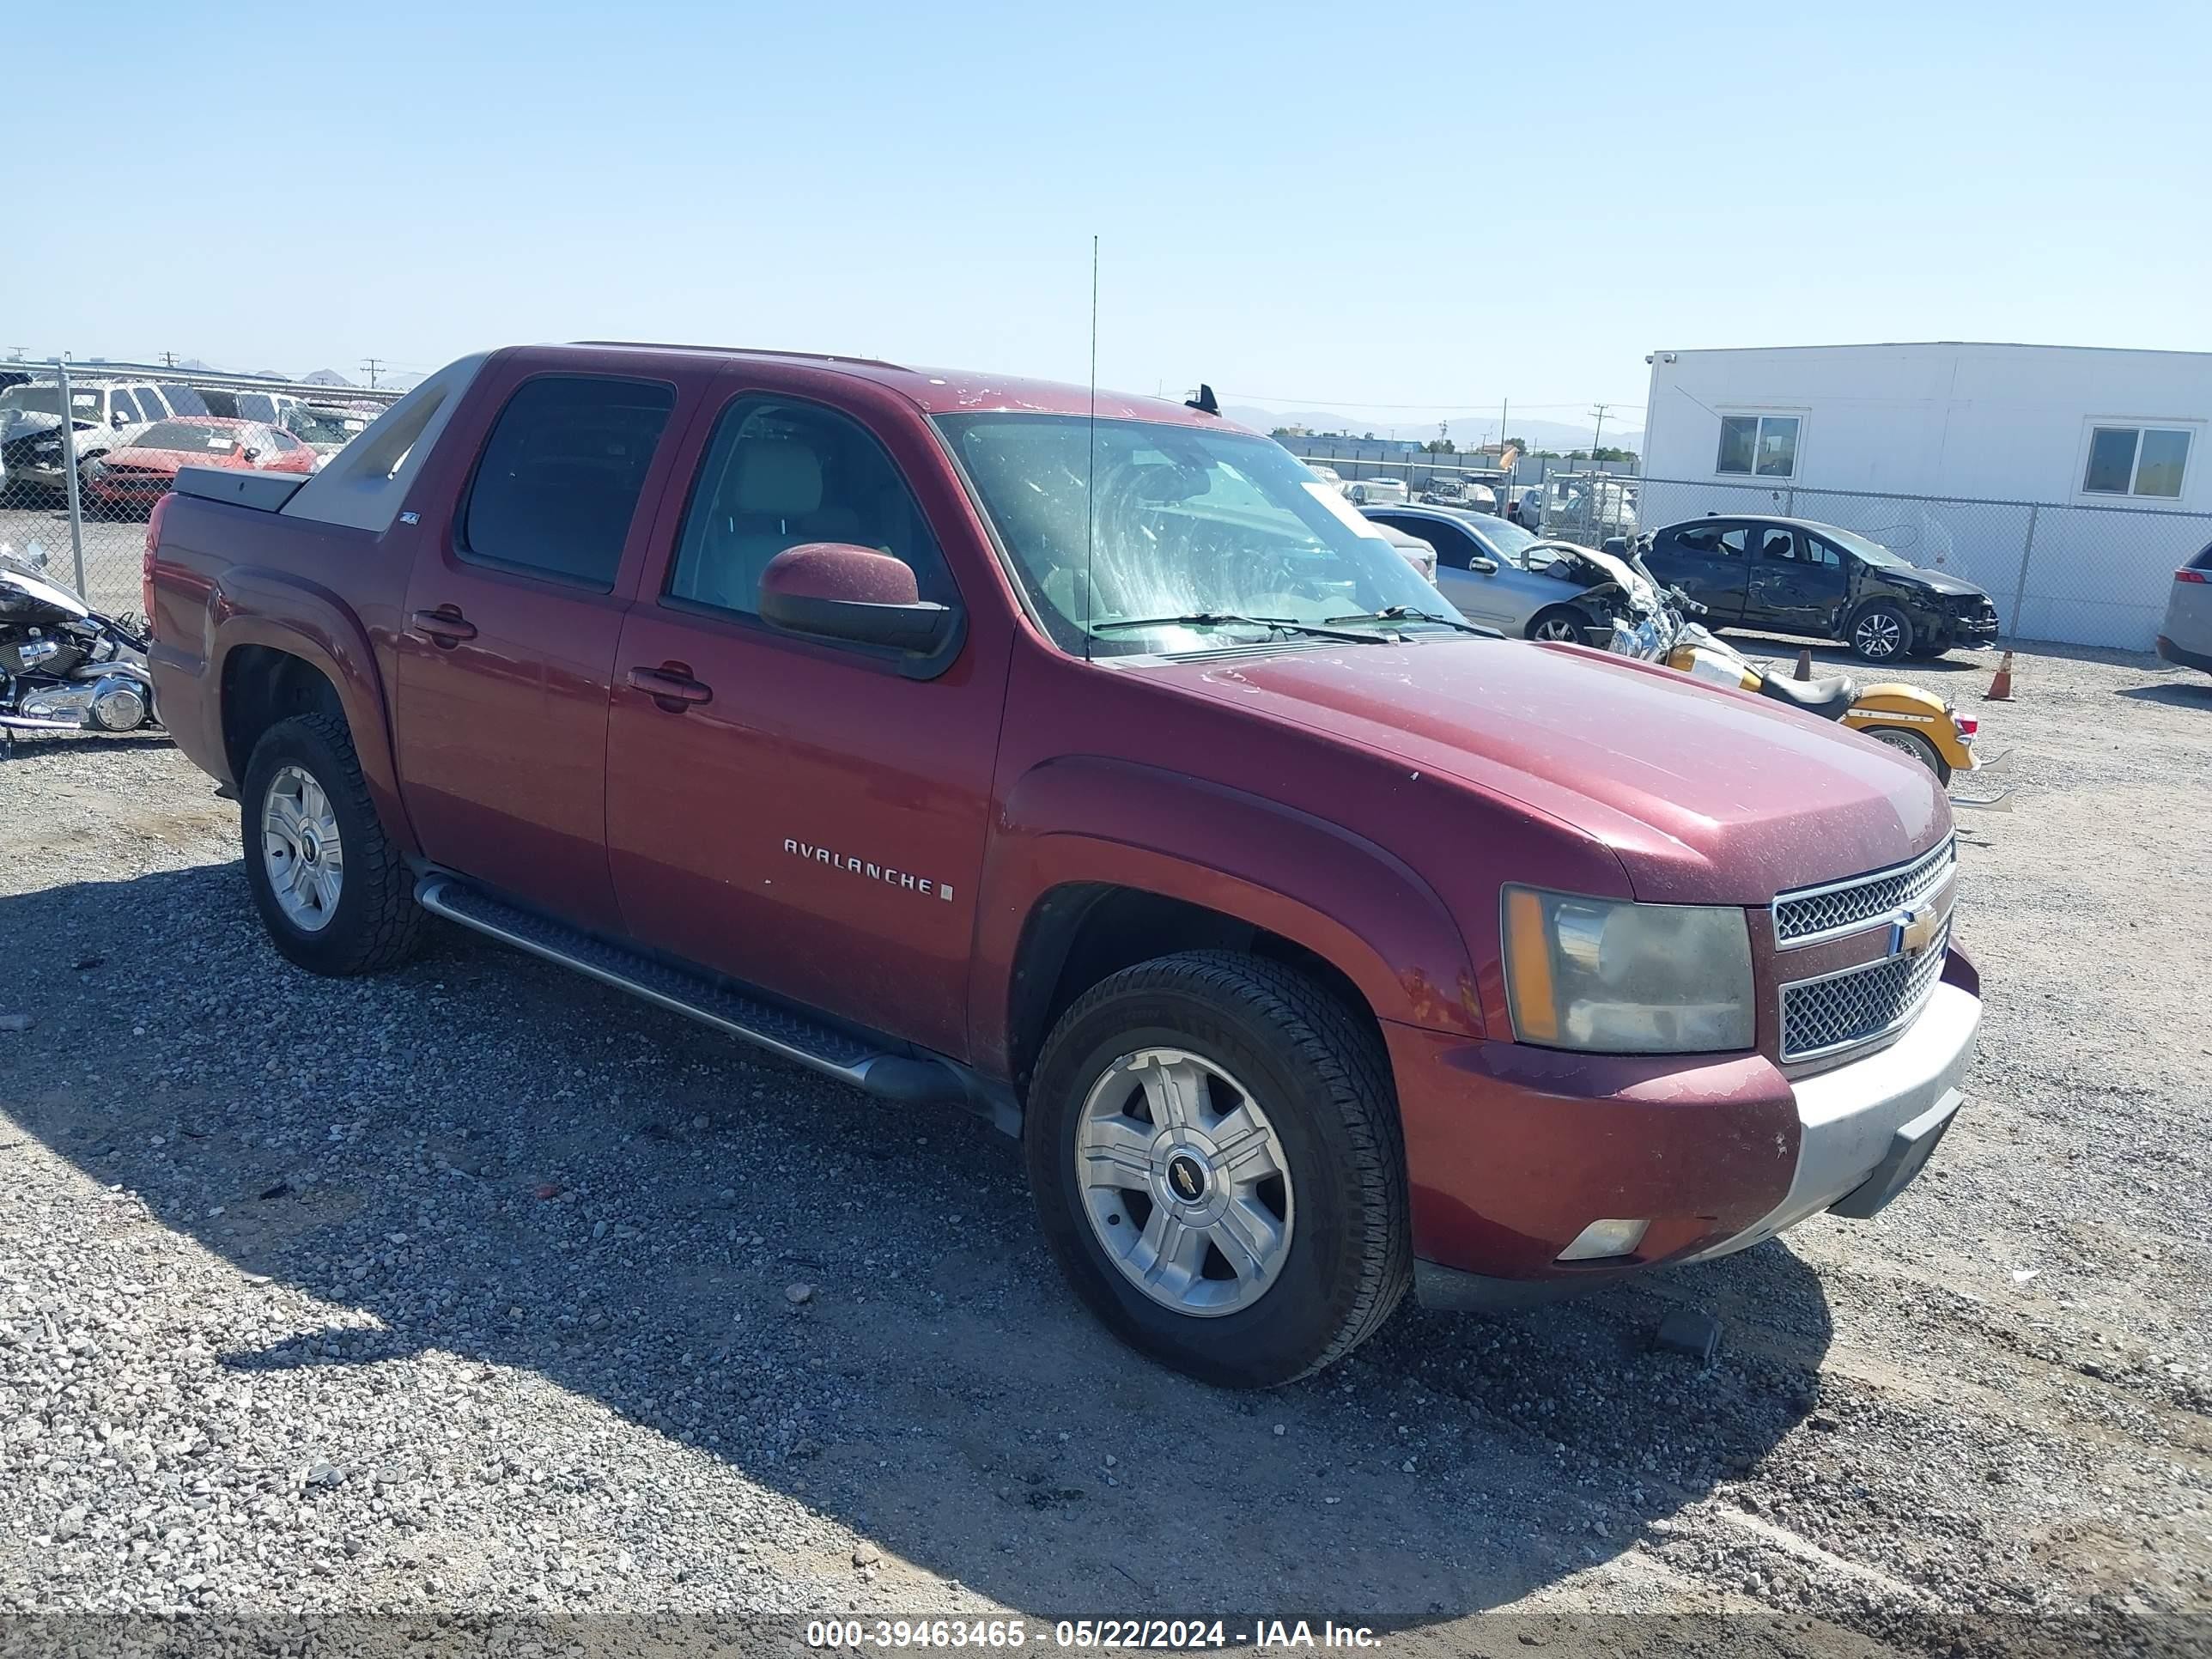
point(140, 474)
point(1088, 761)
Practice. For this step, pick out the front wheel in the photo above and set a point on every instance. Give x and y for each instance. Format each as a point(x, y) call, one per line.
point(1213, 1146)
point(1560, 621)
point(1912, 744)
point(332, 890)
point(1881, 633)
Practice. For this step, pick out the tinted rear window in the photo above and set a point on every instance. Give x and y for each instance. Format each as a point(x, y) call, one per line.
point(184, 400)
point(560, 475)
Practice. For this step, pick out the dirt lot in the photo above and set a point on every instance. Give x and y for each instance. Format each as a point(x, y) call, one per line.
point(480, 1286)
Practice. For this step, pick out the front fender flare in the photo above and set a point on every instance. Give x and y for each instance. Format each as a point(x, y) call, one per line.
point(1091, 820)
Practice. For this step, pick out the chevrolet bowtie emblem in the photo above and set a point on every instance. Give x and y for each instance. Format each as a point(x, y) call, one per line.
point(1914, 934)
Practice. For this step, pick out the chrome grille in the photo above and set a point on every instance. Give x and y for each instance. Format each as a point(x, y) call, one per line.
point(1844, 907)
point(1819, 1015)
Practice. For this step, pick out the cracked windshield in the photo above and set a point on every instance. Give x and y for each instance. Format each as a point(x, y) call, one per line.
point(1197, 540)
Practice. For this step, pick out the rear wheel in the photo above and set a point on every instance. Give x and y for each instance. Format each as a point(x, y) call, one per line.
point(1560, 621)
point(1881, 633)
point(1213, 1145)
point(1912, 744)
point(332, 890)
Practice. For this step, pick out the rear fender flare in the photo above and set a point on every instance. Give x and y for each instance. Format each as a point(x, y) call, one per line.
point(1908, 709)
point(1090, 820)
point(257, 606)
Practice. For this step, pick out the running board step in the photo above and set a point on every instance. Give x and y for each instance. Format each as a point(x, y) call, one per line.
point(807, 1042)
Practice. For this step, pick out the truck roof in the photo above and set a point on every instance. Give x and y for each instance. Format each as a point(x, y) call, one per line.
point(943, 391)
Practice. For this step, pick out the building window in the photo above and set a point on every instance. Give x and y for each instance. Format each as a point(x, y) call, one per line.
point(1759, 446)
point(2136, 460)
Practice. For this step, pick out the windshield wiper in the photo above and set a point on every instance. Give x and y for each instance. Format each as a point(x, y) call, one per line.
point(1230, 619)
point(1406, 613)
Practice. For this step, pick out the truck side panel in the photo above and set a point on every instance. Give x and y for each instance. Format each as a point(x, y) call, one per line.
point(1093, 819)
point(228, 576)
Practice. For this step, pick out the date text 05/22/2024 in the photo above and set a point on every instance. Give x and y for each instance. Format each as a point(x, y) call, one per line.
point(1165, 1634)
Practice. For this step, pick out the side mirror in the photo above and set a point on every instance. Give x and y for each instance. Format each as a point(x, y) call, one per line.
point(118, 420)
point(250, 453)
point(835, 591)
point(1481, 566)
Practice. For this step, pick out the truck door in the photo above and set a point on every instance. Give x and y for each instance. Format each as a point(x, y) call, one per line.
point(1708, 561)
point(1797, 581)
point(506, 644)
point(812, 820)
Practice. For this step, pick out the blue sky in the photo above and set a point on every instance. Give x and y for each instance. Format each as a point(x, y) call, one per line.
point(1407, 214)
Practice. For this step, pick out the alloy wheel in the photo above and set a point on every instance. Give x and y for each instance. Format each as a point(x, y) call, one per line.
point(1557, 628)
point(1878, 635)
point(1184, 1181)
point(301, 849)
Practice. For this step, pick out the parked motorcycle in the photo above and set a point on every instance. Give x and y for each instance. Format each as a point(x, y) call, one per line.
point(64, 667)
point(1649, 623)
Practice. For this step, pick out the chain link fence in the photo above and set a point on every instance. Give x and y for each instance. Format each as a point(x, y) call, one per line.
point(2059, 573)
point(82, 487)
point(2064, 573)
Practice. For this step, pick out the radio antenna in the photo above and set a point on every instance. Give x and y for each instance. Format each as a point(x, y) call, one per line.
point(1090, 482)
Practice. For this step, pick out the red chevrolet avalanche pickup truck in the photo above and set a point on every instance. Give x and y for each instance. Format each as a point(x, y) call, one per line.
point(1092, 764)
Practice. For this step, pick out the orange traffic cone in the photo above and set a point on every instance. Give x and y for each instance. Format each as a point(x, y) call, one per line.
point(2001, 687)
point(1805, 664)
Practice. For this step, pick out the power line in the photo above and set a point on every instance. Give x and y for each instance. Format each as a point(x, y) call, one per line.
point(1472, 409)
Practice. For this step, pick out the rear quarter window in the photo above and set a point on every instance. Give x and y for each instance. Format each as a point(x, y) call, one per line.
point(559, 476)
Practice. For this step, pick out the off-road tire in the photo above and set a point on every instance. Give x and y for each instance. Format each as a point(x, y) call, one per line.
point(376, 924)
point(1325, 1084)
point(1574, 618)
point(1867, 628)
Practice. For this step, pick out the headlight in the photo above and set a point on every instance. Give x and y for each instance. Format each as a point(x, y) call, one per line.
point(1613, 977)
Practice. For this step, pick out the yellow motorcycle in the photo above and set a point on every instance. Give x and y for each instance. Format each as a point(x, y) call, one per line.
point(1649, 624)
point(1910, 721)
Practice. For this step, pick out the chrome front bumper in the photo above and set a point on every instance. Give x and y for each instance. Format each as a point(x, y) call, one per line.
point(1871, 1124)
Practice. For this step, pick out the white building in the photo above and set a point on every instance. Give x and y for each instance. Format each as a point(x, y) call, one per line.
point(2071, 438)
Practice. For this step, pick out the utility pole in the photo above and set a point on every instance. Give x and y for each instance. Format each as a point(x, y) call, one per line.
point(168, 359)
point(16, 353)
point(1600, 412)
point(370, 367)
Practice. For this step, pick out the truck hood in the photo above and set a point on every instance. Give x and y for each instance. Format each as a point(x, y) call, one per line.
point(1705, 795)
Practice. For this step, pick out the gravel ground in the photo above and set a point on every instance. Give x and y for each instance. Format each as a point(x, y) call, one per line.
point(481, 1287)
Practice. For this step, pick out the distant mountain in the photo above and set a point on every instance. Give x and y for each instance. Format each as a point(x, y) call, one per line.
point(325, 377)
point(1541, 434)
